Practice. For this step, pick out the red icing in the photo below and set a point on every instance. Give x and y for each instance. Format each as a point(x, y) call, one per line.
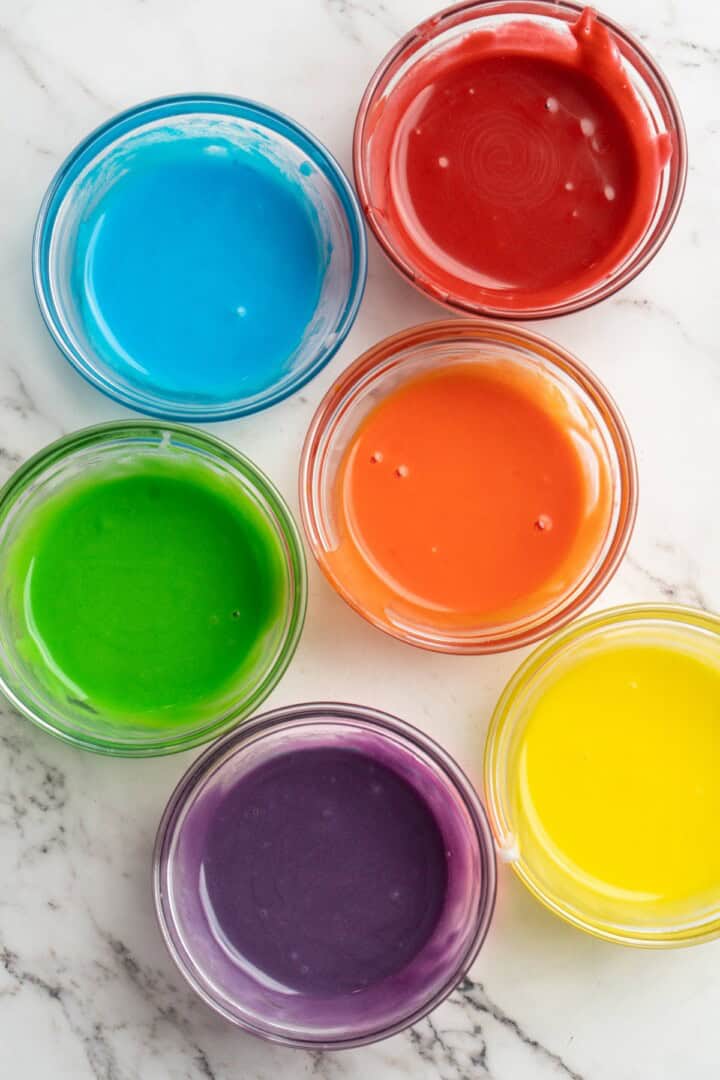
point(516, 167)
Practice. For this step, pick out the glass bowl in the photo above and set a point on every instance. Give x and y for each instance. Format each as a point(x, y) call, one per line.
point(240, 992)
point(449, 27)
point(31, 678)
point(123, 359)
point(640, 806)
point(569, 390)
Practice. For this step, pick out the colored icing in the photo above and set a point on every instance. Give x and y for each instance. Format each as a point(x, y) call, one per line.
point(324, 870)
point(615, 779)
point(147, 591)
point(198, 267)
point(468, 495)
point(516, 166)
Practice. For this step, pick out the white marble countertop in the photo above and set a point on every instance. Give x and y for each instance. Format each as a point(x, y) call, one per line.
point(86, 987)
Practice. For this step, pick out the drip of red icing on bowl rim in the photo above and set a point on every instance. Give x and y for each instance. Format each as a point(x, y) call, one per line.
point(514, 168)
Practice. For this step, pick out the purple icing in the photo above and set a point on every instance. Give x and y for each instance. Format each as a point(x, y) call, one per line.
point(363, 910)
point(325, 870)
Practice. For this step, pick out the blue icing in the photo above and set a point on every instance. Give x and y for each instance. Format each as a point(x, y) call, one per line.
point(199, 269)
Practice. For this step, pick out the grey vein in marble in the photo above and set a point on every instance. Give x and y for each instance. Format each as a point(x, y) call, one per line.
point(352, 15)
point(681, 592)
point(643, 305)
point(460, 1050)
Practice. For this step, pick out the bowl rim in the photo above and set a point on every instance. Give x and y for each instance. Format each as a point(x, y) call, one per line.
point(85, 361)
point(283, 525)
point(502, 720)
point(485, 330)
point(326, 713)
point(463, 12)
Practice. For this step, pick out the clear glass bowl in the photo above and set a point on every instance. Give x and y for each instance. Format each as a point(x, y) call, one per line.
point(240, 994)
point(585, 404)
point(608, 915)
point(67, 717)
point(450, 25)
point(103, 159)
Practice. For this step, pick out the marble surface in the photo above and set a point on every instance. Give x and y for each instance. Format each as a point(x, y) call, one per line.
point(86, 988)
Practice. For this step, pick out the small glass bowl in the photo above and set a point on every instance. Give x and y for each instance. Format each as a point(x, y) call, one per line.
point(450, 25)
point(102, 160)
point(315, 1022)
point(65, 460)
point(403, 357)
point(694, 631)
